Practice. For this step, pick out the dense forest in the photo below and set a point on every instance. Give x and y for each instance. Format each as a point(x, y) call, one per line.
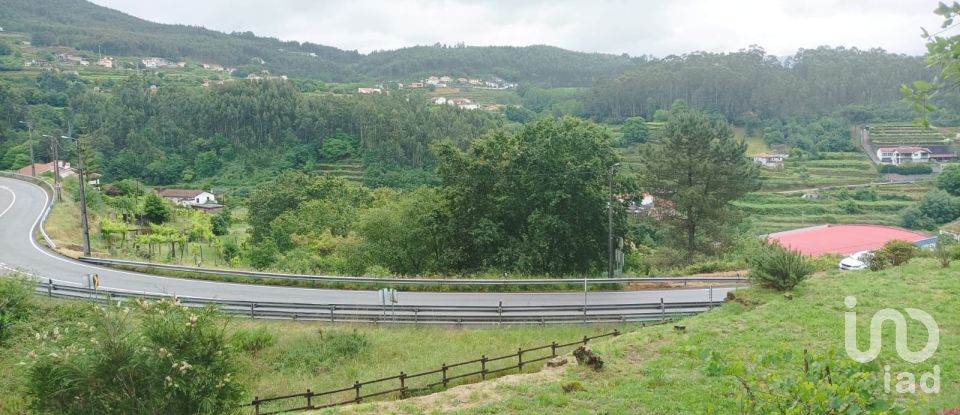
point(813, 81)
point(240, 132)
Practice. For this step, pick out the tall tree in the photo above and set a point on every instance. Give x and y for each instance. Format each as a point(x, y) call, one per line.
point(697, 168)
point(533, 201)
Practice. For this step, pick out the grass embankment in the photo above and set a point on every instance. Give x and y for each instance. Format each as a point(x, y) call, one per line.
point(282, 357)
point(658, 370)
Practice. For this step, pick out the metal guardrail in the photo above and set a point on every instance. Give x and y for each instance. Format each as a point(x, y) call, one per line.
point(407, 314)
point(411, 281)
point(404, 384)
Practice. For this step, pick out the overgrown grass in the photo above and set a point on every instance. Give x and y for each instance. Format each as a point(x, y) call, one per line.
point(659, 370)
point(281, 357)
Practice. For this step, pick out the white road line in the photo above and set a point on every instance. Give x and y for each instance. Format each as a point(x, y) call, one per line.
point(11, 202)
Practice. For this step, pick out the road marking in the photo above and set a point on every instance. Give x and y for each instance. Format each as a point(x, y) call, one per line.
point(11, 202)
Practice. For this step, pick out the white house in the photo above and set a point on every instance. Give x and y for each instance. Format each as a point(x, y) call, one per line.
point(188, 198)
point(770, 160)
point(153, 62)
point(897, 155)
point(439, 100)
point(369, 90)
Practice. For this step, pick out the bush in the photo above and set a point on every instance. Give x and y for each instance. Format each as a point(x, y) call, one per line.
point(906, 169)
point(155, 209)
point(788, 382)
point(943, 250)
point(175, 361)
point(16, 301)
point(779, 268)
point(893, 253)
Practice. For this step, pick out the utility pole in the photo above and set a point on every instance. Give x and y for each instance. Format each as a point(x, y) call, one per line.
point(610, 222)
point(56, 166)
point(83, 199)
point(33, 163)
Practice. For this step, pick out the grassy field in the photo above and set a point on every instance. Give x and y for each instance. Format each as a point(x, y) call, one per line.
point(772, 212)
point(904, 134)
point(301, 355)
point(480, 96)
point(658, 370)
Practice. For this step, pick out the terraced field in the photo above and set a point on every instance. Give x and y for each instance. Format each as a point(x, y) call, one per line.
point(772, 212)
point(834, 169)
point(350, 171)
point(904, 134)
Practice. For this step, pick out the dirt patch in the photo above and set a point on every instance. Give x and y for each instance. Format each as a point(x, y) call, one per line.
point(461, 397)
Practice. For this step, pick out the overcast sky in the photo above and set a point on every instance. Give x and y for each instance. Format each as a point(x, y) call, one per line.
point(652, 27)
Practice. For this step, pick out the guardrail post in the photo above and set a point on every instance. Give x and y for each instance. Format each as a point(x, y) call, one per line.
point(416, 316)
point(500, 313)
point(50, 287)
point(553, 349)
point(663, 310)
point(252, 306)
point(309, 399)
point(520, 359)
point(483, 367)
point(331, 312)
point(710, 304)
point(356, 387)
point(444, 379)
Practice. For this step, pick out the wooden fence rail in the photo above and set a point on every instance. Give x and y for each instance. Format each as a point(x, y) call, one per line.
point(401, 384)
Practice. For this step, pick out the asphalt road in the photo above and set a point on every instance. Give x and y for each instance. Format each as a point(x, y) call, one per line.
point(22, 205)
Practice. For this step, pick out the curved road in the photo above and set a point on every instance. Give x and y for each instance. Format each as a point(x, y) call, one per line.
point(22, 205)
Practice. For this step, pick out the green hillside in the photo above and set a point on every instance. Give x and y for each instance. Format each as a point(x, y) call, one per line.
point(662, 370)
point(87, 26)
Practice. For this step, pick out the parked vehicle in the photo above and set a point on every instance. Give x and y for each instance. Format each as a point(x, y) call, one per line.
point(855, 262)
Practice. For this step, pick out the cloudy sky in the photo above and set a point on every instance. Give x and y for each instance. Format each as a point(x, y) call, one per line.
point(652, 27)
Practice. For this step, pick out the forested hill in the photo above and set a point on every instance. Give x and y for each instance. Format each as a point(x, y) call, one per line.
point(87, 26)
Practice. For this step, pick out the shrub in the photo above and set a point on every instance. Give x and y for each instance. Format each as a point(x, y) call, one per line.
point(779, 268)
point(906, 169)
point(155, 209)
point(893, 253)
point(16, 301)
point(175, 361)
point(788, 382)
point(943, 250)
point(253, 340)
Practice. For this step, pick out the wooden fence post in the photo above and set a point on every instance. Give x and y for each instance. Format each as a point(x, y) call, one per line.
point(520, 359)
point(256, 405)
point(356, 386)
point(403, 384)
point(309, 399)
point(483, 367)
point(553, 349)
point(444, 369)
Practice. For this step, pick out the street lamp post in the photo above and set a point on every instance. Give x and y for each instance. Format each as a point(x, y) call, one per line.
point(613, 168)
point(54, 145)
point(33, 162)
point(81, 172)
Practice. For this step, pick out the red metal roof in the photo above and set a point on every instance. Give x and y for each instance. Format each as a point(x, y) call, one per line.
point(843, 239)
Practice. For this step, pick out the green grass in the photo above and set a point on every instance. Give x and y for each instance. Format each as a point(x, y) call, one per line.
point(302, 355)
point(659, 371)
